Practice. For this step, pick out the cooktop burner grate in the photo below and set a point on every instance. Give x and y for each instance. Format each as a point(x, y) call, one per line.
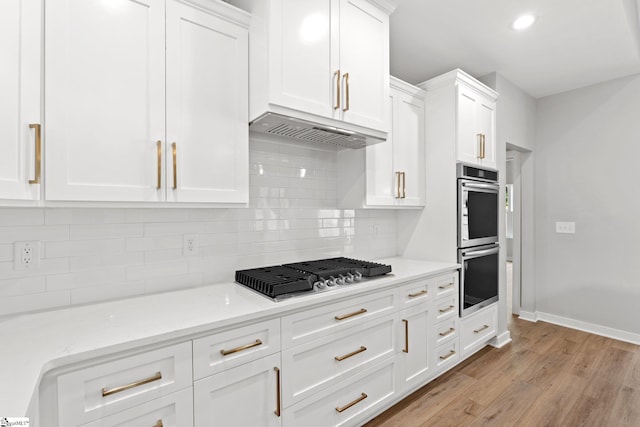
point(300, 277)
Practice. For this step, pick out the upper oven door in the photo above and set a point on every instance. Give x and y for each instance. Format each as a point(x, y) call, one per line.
point(477, 213)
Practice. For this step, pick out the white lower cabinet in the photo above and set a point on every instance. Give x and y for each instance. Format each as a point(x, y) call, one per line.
point(173, 410)
point(247, 395)
point(348, 403)
point(478, 329)
point(416, 347)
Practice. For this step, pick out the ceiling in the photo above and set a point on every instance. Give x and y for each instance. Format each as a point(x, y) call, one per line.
point(572, 44)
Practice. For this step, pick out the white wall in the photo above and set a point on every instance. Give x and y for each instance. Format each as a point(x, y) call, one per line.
point(96, 254)
point(587, 151)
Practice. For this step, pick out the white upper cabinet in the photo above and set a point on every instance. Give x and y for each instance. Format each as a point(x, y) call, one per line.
point(476, 120)
point(394, 174)
point(325, 61)
point(207, 107)
point(20, 100)
point(111, 127)
point(105, 100)
point(463, 111)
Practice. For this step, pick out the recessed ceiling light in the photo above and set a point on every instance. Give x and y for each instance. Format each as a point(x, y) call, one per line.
point(523, 22)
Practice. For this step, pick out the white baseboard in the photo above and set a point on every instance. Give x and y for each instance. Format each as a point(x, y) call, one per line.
point(501, 340)
point(605, 331)
point(528, 316)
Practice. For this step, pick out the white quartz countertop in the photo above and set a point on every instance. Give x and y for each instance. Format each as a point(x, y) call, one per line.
point(34, 344)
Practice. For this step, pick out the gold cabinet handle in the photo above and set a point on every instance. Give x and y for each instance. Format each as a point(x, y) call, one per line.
point(346, 90)
point(417, 294)
point(355, 313)
point(108, 392)
point(353, 353)
point(404, 185)
point(479, 135)
point(336, 74)
point(477, 331)
point(447, 286)
point(447, 356)
point(174, 152)
point(406, 336)
point(446, 334)
point(482, 145)
point(38, 156)
point(242, 347)
point(362, 397)
point(278, 405)
point(159, 152)
point(448, 309)
point(158, 424)
point(398, 193)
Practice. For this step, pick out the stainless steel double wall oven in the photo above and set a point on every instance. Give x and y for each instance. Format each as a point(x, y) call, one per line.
point(478, 247)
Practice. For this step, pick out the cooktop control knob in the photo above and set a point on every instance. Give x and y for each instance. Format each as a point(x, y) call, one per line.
point(350, 278)
point(319, 285)
point(341, 279)
point(358, 276)
point(332, 281)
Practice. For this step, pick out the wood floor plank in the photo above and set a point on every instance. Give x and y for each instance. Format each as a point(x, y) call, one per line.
point(548, 376)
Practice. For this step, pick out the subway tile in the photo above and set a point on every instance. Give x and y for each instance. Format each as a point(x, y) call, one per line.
point(20, 216)
point(78, 248)
point(22, 286)
point(164, 284)
point(36, 232)
point(160, 255)
point(34, 302)
point(6, 252)
point(46, 267)
point(91, 262)
point(59, 216)
point(104, 276)
point(105, 231)
point(155, 215)
point(154, 242)
point(106, 293)
point(165, 228)
point(157, 270)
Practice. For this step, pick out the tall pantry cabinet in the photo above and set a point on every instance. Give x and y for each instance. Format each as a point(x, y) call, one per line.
point(20, 102)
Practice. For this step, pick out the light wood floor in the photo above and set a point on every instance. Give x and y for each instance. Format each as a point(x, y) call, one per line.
point(548, 376)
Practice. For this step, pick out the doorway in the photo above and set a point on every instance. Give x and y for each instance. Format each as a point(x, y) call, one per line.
point(513, 231)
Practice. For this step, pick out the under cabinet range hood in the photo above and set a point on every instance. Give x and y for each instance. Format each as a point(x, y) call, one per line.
point(302, 130)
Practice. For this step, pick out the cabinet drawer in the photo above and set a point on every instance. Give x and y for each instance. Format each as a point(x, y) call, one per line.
point(346, 404)
point(173, 410)
point(446, 308)
point(324, 321)
point(312, 367)
point(478, 328)
point(91, 393)
point(446, 330)
point(414, 293)
point(228, 349)
point(445, 285)
point(446, 355)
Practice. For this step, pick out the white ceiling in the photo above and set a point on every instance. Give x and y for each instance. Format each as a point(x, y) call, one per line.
point(573, 43)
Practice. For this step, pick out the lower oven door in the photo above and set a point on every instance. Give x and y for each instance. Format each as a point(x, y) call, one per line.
point(478, 277)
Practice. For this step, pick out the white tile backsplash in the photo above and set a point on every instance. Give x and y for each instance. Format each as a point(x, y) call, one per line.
point(98, 254)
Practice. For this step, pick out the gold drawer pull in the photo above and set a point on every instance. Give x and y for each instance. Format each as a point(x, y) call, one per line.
point(406, 336)
point(477, 331)
point(448, 356)
point(345, 76)
point(362, 397)
point(38, 155)
point(108, 392)
point(443, 287)
point(158, 424)
point(448, 309)
point(449, 332)
point(398, 192)
point(355, 313)
point(353, 353)
point(417, 294)
point(174, 153)
point(404, 185)
point(336, 74)
point(242, 347)
point(277, 411)
point(159, 155)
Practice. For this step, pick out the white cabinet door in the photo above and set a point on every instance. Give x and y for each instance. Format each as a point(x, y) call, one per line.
point(242, 396)
point(364, 63)
point(207, 107)
point(486, 122)
point(468, 140)
point(416, 350)
point(304, 49)
point(408, 148)
point(20, 53)
point(104, 100)
point(382, 181)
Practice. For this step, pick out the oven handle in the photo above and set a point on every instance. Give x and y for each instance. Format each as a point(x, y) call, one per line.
point(479, 186)
point(482, 252)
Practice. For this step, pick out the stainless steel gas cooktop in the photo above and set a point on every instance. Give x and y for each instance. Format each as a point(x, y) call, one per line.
point(303, 278)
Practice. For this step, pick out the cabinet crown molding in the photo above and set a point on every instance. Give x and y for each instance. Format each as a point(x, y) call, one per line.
point(386, 5)
point(458, 76)
point(408, 88)
point(223, 10)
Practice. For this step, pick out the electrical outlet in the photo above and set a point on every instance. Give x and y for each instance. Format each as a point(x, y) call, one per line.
point(26, 255)
point(566, 227)
point(189, 244)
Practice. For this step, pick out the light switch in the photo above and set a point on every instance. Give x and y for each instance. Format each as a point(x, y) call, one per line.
point(566, 227)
